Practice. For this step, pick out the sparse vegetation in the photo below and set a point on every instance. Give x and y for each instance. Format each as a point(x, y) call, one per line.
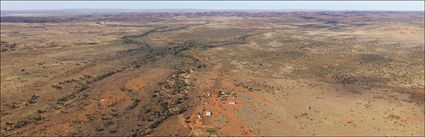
point(212, 73)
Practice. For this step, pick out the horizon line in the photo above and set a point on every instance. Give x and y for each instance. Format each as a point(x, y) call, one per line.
point(205, 9)
point(216, 5)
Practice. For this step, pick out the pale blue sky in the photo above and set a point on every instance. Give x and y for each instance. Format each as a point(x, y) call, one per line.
point(283, 5)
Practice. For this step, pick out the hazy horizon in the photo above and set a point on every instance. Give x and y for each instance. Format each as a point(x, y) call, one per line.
point(216, 5)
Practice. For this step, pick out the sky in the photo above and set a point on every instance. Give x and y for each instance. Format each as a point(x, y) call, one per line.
point(239, 5)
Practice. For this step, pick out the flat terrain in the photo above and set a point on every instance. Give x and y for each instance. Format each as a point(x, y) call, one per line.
point(206, 73)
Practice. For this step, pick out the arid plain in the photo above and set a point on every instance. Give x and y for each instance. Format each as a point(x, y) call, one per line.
point(207, 73)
